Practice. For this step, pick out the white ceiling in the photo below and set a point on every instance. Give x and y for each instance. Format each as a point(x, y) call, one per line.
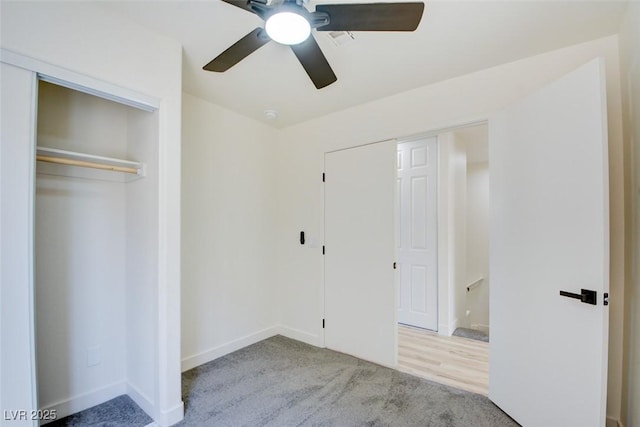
point(454, 38)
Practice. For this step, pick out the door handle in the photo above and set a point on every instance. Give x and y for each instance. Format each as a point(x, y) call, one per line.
point(586, 296)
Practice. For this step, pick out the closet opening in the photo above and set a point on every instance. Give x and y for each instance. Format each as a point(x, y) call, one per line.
point(96, 254)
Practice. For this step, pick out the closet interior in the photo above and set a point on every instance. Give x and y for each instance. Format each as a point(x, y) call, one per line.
point(96, 251)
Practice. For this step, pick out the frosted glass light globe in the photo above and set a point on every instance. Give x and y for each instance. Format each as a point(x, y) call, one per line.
point(288, 28)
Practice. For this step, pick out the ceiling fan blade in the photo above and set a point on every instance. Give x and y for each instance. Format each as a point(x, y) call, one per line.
point(242, 4)
point(238, 51)
point(314, 62)
point(372, 16)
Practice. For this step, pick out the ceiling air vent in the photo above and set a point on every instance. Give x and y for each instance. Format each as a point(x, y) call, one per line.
point(340, 37)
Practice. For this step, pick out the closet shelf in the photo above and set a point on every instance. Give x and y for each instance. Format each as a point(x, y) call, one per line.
point(71, 158)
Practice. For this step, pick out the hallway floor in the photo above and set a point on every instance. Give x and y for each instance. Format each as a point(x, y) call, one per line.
point(454, 361)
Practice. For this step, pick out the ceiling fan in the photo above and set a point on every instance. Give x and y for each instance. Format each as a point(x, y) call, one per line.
point(289, 22)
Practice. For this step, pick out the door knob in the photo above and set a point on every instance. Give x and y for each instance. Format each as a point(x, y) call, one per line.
point(586, 296)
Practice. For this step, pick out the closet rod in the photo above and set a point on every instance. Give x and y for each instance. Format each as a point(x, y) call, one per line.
point(84, 164)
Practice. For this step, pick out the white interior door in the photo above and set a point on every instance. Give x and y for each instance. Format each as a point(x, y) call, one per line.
point(416, 220)
point(360, 290)
point(550, 233)
point(18, 391)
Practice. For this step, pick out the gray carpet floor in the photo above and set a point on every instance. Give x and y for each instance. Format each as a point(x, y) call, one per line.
point(118, 412)
point(472, 334)
point(282, 382)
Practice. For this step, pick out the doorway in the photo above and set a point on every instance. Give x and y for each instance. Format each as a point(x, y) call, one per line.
point(549, 233)
point(95, 210)
point(21, 77)
point(454, 209)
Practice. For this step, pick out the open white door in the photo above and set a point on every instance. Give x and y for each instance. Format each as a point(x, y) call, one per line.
point(360, 289)
point(550, 233)
point(416, 235)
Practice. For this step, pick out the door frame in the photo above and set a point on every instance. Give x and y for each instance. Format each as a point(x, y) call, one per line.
point(167, 332)
point(444, 328)
point(434, 132)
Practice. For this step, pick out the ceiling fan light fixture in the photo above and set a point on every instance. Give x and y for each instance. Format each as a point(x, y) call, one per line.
point(288, 28)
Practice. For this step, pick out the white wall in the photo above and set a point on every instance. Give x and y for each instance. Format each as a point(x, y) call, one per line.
point(465, 99)
point(229, 292)
point(455, 234)
point(477, 239)
point(85, 39)
point(451, 231)
point(142, 259)
point(80, 252)
point(630, 60)
point(462, 242)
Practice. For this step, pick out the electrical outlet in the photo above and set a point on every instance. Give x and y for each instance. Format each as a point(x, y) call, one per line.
point(94, 356)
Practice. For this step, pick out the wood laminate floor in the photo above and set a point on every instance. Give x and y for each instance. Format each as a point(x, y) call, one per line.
point(455, 361)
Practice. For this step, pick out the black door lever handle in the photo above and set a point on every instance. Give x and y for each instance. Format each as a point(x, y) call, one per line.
point(586, 296)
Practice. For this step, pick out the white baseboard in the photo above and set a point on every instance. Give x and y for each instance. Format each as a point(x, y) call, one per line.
point(299, 335)
point(172, 416)
point(190, 362)
point(84, 401)
point(142, 400)
point(161, 419)
point(453, 327)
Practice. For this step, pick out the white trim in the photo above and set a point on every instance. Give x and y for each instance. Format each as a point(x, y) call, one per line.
point(443, 330)
point(84, 401)
point(447, 128)
point(321, 339)
point(31, 242)
point(206, 356)
point(141, 399)
point(298, 335)
point(164, 418)
point(168, 215)
point(453, 326)
point(171, 416)
point(72, 80)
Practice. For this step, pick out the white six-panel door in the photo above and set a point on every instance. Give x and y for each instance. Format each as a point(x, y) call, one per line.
point(360, 290)
point(416, 222)
point(550, 233)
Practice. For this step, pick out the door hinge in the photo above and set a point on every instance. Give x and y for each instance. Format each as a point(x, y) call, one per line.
point(394, 265)
point(322, 323)
point(605, 298)
point(322, 249)
point(323, 177)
